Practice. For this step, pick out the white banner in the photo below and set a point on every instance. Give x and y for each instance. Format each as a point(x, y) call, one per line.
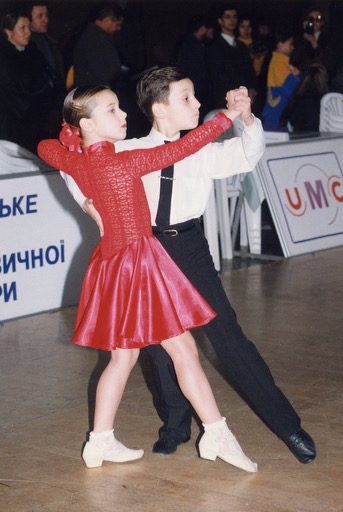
point(303, 184)
point(45, 244)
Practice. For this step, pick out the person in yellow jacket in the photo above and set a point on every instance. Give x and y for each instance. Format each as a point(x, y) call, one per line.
point(282, 80)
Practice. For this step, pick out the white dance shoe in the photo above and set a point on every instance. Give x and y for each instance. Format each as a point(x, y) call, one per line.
point(219, 441)
point(104, 446)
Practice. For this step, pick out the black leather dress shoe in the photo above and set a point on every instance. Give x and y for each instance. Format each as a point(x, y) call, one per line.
point(167, 445)
point(302, 446)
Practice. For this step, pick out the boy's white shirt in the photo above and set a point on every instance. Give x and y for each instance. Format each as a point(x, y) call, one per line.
point(193, 176)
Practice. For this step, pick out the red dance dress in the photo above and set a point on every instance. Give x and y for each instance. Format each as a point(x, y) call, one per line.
point(133, 294)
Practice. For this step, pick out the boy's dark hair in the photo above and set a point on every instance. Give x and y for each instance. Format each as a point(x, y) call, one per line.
point(154, 87)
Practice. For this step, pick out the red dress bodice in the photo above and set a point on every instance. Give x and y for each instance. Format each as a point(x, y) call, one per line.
point(113, 181)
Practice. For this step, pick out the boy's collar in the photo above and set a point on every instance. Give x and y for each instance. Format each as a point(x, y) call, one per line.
point(159, 137)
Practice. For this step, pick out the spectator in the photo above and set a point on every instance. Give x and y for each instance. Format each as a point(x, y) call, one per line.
point(244, 33)
point(258, 53)
point(303, 109)
point(283, 78)
point(46, 44)
point(130, 40)
point(96, 59)
point(312, 41)
point(191, 60)
point(54, 63)
point(332, 54)
point(24, 84)
point(265, 35)
point(228, 60)
point(209, 36)
point(265, 44)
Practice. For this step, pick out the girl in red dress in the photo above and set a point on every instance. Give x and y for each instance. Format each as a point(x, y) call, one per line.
point(133, 294)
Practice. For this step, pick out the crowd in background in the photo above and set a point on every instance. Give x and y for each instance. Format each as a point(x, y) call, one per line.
point(286, 70)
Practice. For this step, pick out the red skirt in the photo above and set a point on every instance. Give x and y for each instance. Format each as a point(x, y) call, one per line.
point(136, 298)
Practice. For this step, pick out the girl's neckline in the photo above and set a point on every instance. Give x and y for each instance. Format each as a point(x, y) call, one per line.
point(98, 146)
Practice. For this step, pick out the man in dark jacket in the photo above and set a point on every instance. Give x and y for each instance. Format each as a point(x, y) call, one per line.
point(54, 68)
point(228, 60)
point(191, 59)
point(96, 59)
point(46, 44)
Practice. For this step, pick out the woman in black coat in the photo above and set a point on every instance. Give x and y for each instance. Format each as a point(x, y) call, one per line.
point(24, 84)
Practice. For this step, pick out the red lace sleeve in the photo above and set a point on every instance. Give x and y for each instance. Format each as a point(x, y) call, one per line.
point(144, 161)
point(56, 155)
point(140, 161)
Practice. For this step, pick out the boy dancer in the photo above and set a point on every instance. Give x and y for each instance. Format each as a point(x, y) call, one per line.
point(167, 98)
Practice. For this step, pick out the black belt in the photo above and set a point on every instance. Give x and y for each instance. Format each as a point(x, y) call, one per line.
point(176, 228)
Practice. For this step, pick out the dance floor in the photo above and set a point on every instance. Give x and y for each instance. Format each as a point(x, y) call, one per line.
point(291, 309)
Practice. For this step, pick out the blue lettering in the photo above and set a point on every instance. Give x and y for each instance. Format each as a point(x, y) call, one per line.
point(8, 262)
point(5, 210)
point(16, 206)
point(8, 291)
point(31, 203)
point(35, 257)
point(24, 259)
point(20, 206)
point(54, 250)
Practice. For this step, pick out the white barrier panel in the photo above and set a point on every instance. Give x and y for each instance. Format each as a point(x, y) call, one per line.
point(45, 244)
point(303, 185)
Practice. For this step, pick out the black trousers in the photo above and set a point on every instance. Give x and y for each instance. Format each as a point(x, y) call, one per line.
point(245, 368)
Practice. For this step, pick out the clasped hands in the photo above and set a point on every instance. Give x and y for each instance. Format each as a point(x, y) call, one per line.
point(238, 103)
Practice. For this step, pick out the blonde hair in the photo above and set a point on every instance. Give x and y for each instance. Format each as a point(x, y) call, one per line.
point(80, 103)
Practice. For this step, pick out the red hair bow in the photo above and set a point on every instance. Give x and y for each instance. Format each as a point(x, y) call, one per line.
point(70, 138)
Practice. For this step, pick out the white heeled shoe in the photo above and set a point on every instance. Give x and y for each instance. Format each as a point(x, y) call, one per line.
point(219, 441)
point(104, 446)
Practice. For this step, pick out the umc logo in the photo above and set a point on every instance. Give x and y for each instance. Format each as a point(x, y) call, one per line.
point(314, 189)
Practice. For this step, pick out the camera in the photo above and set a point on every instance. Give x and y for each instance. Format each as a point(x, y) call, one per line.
point(310, 26)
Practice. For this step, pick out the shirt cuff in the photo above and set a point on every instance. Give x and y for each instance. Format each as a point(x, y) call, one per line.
point(254, 125)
